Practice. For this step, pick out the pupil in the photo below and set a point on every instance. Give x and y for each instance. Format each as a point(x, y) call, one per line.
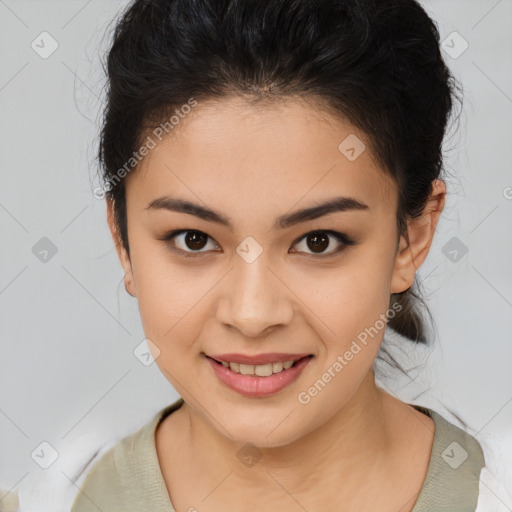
point(319, 241)
point(195, 240)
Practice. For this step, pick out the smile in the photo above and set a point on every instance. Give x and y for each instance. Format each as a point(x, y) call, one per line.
point(261, 370)
point(258, 380)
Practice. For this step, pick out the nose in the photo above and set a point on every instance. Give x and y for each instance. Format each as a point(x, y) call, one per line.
point(254, 299)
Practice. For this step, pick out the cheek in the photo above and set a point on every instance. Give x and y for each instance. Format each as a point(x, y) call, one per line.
point(166, 293)
point(173, 316)
point(170, 299)
point(347, 313)
point(346, 309)
point(349, 298)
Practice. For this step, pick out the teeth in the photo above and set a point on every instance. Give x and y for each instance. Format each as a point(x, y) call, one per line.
point(277, 367)
point(261, 370)
point(247, 369)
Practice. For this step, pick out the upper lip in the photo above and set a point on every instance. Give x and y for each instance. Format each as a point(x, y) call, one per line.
point(271, 357)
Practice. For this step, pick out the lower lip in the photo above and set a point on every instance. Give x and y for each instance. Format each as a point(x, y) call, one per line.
point(253, 386)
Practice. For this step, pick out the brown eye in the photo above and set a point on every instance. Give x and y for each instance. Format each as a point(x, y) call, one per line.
point(195, 240)
point(189, 241)
point(318, 241)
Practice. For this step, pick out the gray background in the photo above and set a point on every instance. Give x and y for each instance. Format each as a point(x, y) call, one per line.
point(67, 327)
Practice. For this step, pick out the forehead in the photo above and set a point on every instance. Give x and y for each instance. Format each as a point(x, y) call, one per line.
point(229, 152)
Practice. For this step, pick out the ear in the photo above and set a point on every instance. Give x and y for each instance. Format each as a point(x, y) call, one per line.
point(124, 258)
point(411, 254)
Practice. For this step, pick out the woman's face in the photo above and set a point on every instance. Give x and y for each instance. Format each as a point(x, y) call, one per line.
point(251, 285)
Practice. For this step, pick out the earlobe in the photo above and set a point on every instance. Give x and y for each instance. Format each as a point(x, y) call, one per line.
point(404, 270)
point(412, 252)
point(128, 285)
point(122, 254)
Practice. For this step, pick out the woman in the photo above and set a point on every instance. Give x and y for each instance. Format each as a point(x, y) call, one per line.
point(273, 183)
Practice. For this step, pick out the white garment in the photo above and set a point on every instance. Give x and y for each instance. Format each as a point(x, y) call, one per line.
point(492, 496)
point(495, 489)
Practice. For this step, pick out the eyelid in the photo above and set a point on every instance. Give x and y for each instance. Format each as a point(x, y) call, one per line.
point(340, 237)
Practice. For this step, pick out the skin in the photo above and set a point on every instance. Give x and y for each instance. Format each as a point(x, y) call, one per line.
point(353, 443)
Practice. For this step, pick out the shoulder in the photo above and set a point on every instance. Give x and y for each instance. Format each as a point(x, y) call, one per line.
point(453, 474)
point(108, 481)
point(127, 475)
point(456, 446)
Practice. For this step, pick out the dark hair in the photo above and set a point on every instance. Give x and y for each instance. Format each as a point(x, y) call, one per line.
point(376, 63)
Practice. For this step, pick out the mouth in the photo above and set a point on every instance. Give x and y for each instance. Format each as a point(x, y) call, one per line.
point(261, 370)
point(258, 381)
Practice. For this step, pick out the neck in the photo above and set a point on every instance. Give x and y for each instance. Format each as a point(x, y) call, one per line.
point(351, 447)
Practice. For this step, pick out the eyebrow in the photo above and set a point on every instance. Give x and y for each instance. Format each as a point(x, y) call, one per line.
point(337, 204)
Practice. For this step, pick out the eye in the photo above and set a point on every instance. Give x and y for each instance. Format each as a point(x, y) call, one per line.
point(319, 241)
point(191, 242)
point(185, 239)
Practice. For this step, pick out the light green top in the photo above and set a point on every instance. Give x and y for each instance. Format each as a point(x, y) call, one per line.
point(127, 478)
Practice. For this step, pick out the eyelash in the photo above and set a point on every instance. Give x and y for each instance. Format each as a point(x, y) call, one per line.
point(344, 240)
